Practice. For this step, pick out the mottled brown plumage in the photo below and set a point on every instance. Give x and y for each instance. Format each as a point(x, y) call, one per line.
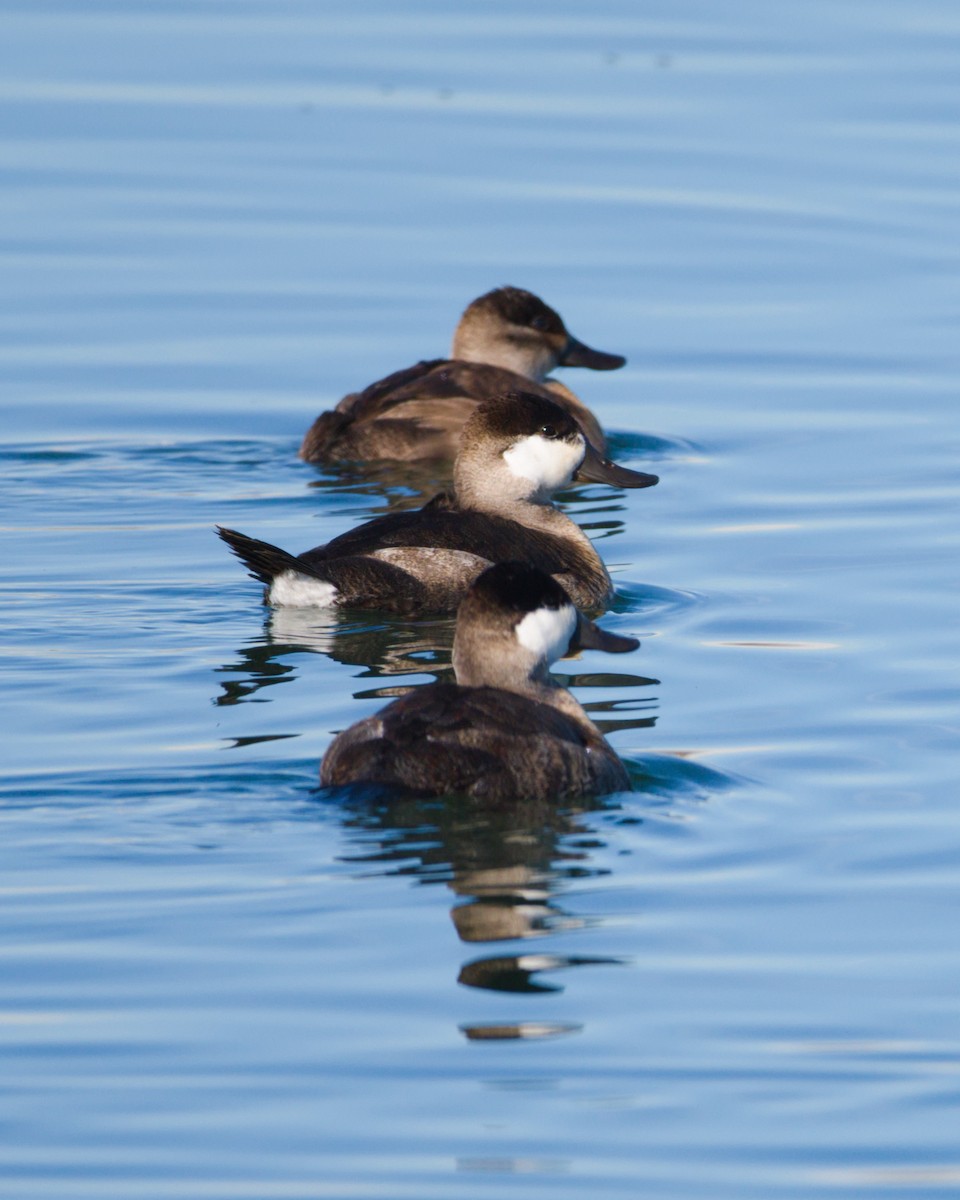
point(507, 340)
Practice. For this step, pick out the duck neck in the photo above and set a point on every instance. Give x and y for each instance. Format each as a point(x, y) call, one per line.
point(534, 360)
point(511, 674)
point(485, 484)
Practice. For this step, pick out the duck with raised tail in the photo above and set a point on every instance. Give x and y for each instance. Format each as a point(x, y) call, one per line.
point(506, 340)
point(506, 730)
point(517, 450)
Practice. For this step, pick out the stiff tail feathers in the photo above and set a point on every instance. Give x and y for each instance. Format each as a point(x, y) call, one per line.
point(263, 560)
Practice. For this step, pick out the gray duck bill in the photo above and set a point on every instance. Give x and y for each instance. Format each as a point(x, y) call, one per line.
point(597, 469)
point(589, 636)
point(577, 354)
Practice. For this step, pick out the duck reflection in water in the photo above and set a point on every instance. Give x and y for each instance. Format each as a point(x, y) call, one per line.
point(504, 864)
point(383, 648)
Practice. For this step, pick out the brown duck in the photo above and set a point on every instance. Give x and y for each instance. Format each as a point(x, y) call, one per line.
point(506, 340)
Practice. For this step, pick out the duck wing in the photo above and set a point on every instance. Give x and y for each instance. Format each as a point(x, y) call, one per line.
point(377, 397)
point(439, 396)
point(418, 412)
point(436, 527)
point(331, 435)
point(433, 380)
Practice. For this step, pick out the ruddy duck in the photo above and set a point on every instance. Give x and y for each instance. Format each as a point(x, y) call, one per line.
point(506, 730)
point(507, 340)
point(517, 450)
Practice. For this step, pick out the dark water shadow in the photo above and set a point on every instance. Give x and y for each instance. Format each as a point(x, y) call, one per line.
point(623, 444)
point(675, 776)
point(630, 597)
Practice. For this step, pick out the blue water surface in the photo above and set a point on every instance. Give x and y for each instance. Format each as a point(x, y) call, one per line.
point(739, 980)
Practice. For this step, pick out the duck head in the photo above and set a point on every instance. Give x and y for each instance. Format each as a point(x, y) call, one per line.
point(523, 447)
point(514, 622)
point(512, 328)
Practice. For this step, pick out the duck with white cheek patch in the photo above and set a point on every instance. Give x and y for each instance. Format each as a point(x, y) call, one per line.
point(517, 451)
point(506, 340)
point(506, 730)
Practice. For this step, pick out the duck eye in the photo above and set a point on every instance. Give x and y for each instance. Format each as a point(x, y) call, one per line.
point(540, 322)
point(548, 431)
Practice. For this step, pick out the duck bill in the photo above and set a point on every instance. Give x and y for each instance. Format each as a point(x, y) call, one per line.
point(576, 354)
point(597, 469)
point(589, 636)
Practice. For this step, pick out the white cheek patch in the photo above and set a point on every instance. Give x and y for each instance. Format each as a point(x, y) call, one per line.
point(550, 463)
point(293, 590)
point(546, 632)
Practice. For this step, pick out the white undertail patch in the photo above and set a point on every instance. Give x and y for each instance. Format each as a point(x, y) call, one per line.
point(550, 463)
point(546, 632)
point(290, 589)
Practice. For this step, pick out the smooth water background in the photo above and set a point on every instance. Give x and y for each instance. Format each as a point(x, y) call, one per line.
point(219, 981)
